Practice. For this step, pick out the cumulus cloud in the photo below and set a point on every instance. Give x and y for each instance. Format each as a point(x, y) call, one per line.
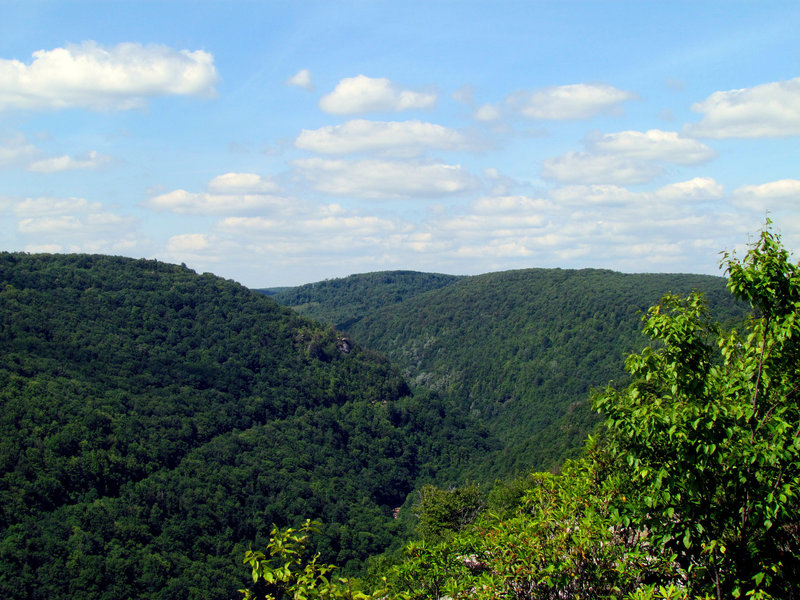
point(702, 189)
point(201, 203)
point(406, 138)
point(583, 167)
point(595, 195)
point(363, 94)
point(699, 189)
point(625, 158)
point(323, 232)
point(188, 242)
point(774, 195)
point(668, 146)
point(765, 111)
point(581, 225)
point(228, 193)
point(569, 102)
point(598, 225)
point(302, 79)
point(16, 151)
point(241, 183)
point(73, 224)
point(384, 179)
point(93, 160)
point(93, 76)
point(498, 224)
point(511, 204)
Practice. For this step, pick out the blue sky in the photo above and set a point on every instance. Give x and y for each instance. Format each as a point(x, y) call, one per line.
point(278, 143)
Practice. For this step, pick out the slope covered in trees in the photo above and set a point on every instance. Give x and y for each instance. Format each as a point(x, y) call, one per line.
point(155, 422)
point(690, 491)
point(519, 349)
point(342, 302)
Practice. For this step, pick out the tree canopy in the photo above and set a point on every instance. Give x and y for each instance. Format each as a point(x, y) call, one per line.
point(154, 422)
point(521, 350)
point(692, 489)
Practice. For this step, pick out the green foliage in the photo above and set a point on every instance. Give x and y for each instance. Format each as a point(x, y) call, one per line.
point(154, 421)
point(287, 572)
point(711, 440)
point(560, 541)
point(342, 302)
point(440, 511)
point(520, 350)
point(690, 493)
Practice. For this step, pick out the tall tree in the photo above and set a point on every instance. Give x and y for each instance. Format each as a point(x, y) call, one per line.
point(710, 432)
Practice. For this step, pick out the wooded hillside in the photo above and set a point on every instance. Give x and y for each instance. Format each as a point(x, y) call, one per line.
point(519, 349)
point(155, 422)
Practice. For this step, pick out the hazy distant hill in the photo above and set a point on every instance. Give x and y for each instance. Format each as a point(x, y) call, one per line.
point(154, 422)
point(519, 349)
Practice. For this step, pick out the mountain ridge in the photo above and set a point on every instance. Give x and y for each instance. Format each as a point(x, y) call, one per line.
point(521, 349)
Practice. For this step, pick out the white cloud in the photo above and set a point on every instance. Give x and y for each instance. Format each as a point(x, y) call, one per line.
point(228, 193)
point(583, 167)
point(241, 183)
point(188, 242)
point(48, 206)
point(44, 248)
point(66, 163)
point(625, 158)
point(488, 112)
point(765, 111)
point(251, 224)
point(654, 144)
point(464, 95)
point(567, 102)
point(74, 219)
point(384, 179)
point(320, 233)
point(56, 224)
point(65, 224)
point(107, 78)
point(662, 229)
point(362, 94)
point(679, 224)
point(53, 224)
point(597, 195)
point(497, 224)
point(406, 138)
point(774, 195)
point(15, 149)
point(301, 79)
point(697, 189)
point(511, 204)
point(351, 226)
point(305, 220)
point(200, 203)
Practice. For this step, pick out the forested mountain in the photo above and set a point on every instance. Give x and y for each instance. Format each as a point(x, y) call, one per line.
point(519, 349)
point(342, 302)
point(155, 422)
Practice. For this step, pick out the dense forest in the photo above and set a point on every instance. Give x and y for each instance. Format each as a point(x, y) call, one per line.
point(159, 426)
point(689, 491)
point(156, 422)
point(345, 301)
point(521, 350)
